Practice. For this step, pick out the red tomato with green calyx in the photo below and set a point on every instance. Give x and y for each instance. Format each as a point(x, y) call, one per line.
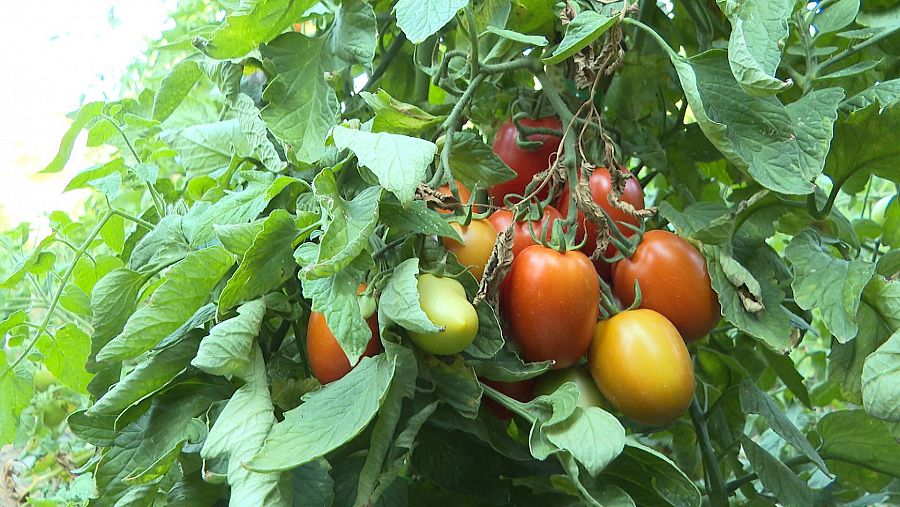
point(550, 304)
point(526, 163)
point(674, 281)
point(522, 239)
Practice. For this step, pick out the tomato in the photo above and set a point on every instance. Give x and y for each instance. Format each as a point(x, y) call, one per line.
point(43, 379)
point(478, 241)
point(588, 395)
point(522, 390)
point(674, 282)
point(326, 357)
point(526, 163)
point(502, 219)
point(601, 183)
point(642, 366)
point(445, 303)
point(54, 413)
point(550, 304)
point(464, 195)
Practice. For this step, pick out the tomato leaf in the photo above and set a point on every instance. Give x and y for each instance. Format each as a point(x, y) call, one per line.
point(419, 19)
point(392, 115)
point(881, 381)
point(775, 476)
point(255, 132)
point(836, 15)
point(669, 483)
point(399, 302)
point(861, 148)
point(206, 148)
point(238, 238)
point(85, 117)
point(507, 366)
point(587, 27)
point(174, 88)
point(759, 30)
point(592, 435)
point(16, 391)
point(252, 24)
point(351, 38)
point(853, 437)
point(475, 163)
point(228, 349)
point(112, 302)
point(66, 354)
point(455, 383)
point(418, 218)
point(531, 40)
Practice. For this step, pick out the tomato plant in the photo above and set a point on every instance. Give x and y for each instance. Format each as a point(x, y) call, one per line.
point(522, 390)
point(550, 304)
point(266, 158)
point(674, 281)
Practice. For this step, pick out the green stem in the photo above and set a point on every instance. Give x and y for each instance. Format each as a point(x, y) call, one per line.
point(59, 291)
point(472, 32)
point(386, 60)
point(662, 42)
point(158, 201)
point(514, 406)
point(852, 50)
point(718, 496)
point(645, 9)
point(517, 64)
point(450, 125)
point(140, 221)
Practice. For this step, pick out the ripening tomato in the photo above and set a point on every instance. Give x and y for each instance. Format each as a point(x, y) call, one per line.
point(642, 366)
point(464, 195)
point(327, 359)
point(522, 239)
point(550, 303)
point(478, 241)
point(601, 183)
point(588, 395)
point(444, 301)
point(526, 163)
point(522, 390)
point(674, 282)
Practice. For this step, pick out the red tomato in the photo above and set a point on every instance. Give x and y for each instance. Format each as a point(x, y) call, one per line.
point(526, 163)
point(464, 195)
point(478, 241)
point(551, 304)
point(601, 183)
point(522, 390)
point(674, 282)
point(326, 357)
point(502, 219)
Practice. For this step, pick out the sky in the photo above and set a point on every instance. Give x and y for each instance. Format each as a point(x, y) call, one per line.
point(58, 54)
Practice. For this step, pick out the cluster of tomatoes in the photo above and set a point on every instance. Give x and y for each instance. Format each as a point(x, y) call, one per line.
point(550, 300)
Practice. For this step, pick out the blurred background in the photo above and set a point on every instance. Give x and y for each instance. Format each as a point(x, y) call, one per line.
point(61, 54)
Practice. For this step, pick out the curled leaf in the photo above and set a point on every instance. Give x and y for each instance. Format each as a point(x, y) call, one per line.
point(496, 269)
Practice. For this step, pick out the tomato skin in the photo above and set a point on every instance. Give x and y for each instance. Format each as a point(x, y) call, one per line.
point(674, 282)
point(326, 357)
point(444, 301)
point(502, 219)
point(464, 195)
point(526, 163)
point(642, 366)
point(522, 390)
point(601, 184)
point(478, 241)
point(550, 303)
point(588, 396)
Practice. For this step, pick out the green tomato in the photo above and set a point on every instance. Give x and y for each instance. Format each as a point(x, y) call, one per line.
point(43, 379)
point(54, 413)
point(445, 303)
point(589, 395)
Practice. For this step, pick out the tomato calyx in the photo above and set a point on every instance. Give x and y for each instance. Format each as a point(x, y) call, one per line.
point(524, 131)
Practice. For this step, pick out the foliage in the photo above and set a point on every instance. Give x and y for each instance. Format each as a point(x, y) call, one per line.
point(276, 154)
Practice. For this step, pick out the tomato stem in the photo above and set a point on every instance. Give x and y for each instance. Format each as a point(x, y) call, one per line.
point(715, 485)
point(512, 404)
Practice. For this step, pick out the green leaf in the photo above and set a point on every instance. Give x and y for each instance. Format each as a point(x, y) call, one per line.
point(783, 366)
point(255, 23)
point(226, 76)
point(112, 302)
point(391, 115)
point(187, 286)
point(336, 297)
point(313, 485)
point(881, 381)
point(581, 31)
point(301, 104)
point(591, 435)
point(36, 262)
point(853, 437)
point(254, 130)
point(239, 433)
point(418, 218)
point(775, 476)
point(419, 19)
point(857, 68)
point(113, 233)
point(174, 88)
point(827, 283)
point(669, 485)
point(755, 401)
point(86, 177)
point(207, 148)
point(475, 163)
point(399, 302)
point(12, 321)
point(836, 15)
point(531, 40)
point(399, 162)
point(349, 225)
point(228, 349)
point(351, 38)
point(863, 145)
point(885, 93)
point(66, 354)
point(327, 418)
point(709, 222)
point(85, 116)
point(238, 238)
point(454, 384)
point(15, 394)
point(781, 147)
point(507, 366)
point(268, 262)
point(164, 245)
point(146, 378)
point(759, 31)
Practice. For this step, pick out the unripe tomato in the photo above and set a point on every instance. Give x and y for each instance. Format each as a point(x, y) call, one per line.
point(642, 366)
point(550, 303)
point(674, 282)
point(445, 303)
point(502, 219)
point(54, 413)
point(522, 390)
point(478, 241)
point(588, 395)
point(464, 195)
point(43, 379)
point(327, 359)
point(526, 163)
point(601, 184)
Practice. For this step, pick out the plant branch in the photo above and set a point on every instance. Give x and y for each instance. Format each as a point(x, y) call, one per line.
point(471, 31)
point(158, 201)
point(715, 486)
point(140, 221)
point(386, 60)
point(450, 125)
point(852, 50)
point(734, 485)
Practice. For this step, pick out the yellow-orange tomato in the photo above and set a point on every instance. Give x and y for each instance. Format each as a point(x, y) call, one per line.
point(478, 241)
point(326, 357)
point(642, 366)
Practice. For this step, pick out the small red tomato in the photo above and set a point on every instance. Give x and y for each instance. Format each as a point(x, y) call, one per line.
point(526, 163)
